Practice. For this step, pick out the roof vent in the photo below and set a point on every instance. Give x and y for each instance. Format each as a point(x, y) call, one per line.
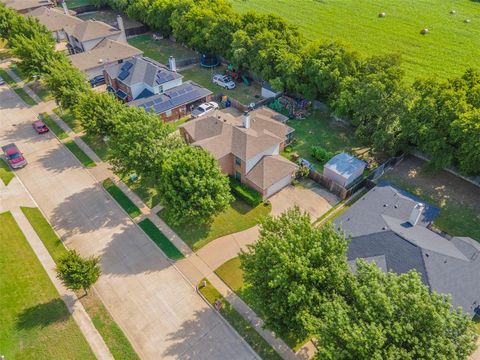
point(416, 214)
point(395, 206)
point(385, 205)
point(246, 120)
point(384, 228)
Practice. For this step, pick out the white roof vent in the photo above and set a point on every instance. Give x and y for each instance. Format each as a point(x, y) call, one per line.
point(416, 214)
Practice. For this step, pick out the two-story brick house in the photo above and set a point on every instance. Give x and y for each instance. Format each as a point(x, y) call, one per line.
point(246, 147)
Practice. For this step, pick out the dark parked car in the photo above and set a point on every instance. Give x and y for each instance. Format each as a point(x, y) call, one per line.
point(40, 127)
point(97, 81)
point(14, 157)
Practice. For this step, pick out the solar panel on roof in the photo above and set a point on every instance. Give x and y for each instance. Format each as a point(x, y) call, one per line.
point(150, 103)
point(158, 108)
point(123, 75)
point(127, 66)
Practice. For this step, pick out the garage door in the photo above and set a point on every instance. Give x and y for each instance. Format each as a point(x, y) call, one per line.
point(279, 185)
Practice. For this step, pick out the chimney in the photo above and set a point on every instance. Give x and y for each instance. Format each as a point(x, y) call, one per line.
point(121, 27)
point(246, 120)
point(416, 213)
point(65, 9)
point(172, 64)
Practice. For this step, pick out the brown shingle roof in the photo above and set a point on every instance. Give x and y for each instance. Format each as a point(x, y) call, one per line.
point(54, 19)
point(270, 170)
point(91, 29)
point(106, 52)
point(20, 5)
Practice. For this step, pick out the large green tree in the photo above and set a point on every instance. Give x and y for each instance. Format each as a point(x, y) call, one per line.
point(466, 133)
point(78, 273)
point(192, 186)
point(140, 143)
point(385, 316)
point(294, 269)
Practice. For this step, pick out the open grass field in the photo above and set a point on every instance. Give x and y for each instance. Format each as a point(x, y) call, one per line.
point(106, 326)
point(447, 50)
point(35, 323)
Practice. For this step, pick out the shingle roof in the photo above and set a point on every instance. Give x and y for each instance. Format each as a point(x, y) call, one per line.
point(270, 170)
point(91, 29)
point(106, 52)
point(344, 164)
point(378, 226)
point(183, 94)
point(26, 4)
point(143, 70)
point(54, 19)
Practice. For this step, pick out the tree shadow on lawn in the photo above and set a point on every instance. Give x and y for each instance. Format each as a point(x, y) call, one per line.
point(43, 315)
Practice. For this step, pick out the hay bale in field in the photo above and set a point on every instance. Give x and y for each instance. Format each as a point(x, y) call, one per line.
point(382, 14)
point(424, 31)
point(453, 12)
point(467, 21)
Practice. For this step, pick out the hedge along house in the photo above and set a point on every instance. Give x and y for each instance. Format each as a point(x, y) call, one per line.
point(246, 147)
point(55, 20)
point(344, 169)
point(140, 77)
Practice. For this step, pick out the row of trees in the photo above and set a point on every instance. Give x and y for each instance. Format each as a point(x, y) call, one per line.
point(191, 185)
point(301, 283)
point(439, 117)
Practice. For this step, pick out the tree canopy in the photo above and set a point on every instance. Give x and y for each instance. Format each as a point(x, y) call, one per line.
point(78, 273)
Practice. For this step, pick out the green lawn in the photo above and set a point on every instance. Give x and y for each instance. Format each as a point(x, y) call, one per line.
point(77, 3)
point(8, 79)
point(17, 71)
point(6, 174)
point(113, 336)
point(202, 76)
point(161, 50)
point(69, 119)
point(25, 97)
point(319, 129)
point(232, 275)
point(97, 144)
point(35, 323)
point(41, 91)
point(449, 48)
point(239, 216)
point(160, 239)
point(122, 199)
point(53, 126)
point(145, 189)
point(243, 327)
point(80, 154)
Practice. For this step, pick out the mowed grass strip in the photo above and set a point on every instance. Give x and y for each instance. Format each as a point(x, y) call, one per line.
point(80, 154)
point(25, 97)
point(6, 173)
point(112, 335)
point(122, 199)
point(8, 79)
point(159, 238)
point(242, 326)
point(53, 126)
point(69, 119)
point(35, 323)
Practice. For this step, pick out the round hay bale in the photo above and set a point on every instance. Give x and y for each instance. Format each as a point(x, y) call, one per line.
point(453, 12)
point(424, 31)
point(382, 14)
point(467, 21)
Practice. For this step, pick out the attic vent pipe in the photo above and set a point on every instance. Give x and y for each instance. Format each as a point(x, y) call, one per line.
point(416, 213)
point(246, 120)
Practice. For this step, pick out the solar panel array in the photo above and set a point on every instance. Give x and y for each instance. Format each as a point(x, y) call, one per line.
point(126, 66)
point(123, 75)
point(163, 77)
point(125, 70)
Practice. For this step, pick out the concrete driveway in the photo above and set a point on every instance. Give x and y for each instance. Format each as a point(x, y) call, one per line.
point(151, 301)
point(307, 195)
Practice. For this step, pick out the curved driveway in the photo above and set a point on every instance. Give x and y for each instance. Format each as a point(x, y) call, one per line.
point(155, 306)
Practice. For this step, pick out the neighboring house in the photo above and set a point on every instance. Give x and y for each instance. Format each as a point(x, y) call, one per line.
point(140, 77)
point(88, 34)
point(24, 6)
point(247, 147)
point(391, 228)
point(55, 20)
point(105, 53)
point(175, 103)
point(344, 169)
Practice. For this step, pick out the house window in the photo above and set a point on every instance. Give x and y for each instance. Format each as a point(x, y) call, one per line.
point(237, 161)
point(238, 176)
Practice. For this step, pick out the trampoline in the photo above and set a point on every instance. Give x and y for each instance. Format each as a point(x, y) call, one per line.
point(209, 61)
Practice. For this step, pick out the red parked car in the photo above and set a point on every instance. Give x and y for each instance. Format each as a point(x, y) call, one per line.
point(14, 157)
point(40, 127)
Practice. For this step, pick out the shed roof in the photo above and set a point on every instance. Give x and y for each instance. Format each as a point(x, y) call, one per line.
point(345, 165)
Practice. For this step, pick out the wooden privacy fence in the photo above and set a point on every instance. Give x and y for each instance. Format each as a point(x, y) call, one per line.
point(368, 182)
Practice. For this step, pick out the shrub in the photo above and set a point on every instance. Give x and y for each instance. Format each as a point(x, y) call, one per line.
point(321, 154)
point(247, 194)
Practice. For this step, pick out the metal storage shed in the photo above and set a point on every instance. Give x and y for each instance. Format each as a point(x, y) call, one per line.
point(344, 169)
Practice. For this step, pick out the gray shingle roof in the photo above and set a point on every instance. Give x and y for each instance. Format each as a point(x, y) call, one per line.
point(378, 226)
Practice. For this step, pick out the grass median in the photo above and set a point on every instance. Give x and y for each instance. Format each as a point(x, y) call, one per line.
point(25, 97)
point(160, 239)
point(53, 126)
point(112, 334)
point(122, 199)
point(80, 154)
point(6, 174)
point(242, 326)
point(8, 79)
